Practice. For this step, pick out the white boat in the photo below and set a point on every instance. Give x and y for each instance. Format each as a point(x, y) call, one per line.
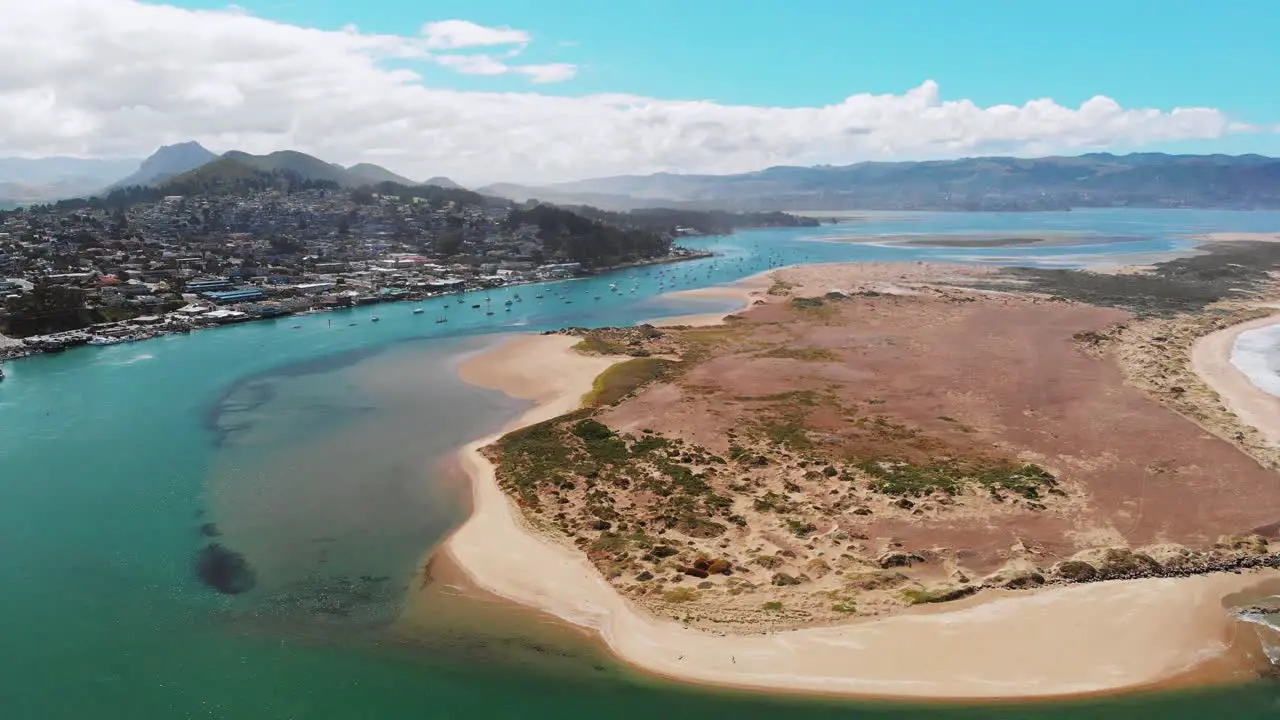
point(375, 318)
point(417, 311)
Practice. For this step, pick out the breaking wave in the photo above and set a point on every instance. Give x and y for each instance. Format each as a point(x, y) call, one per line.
point(1267, 625)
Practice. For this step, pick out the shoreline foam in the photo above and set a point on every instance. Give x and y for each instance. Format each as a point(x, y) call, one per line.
point(1102, 637)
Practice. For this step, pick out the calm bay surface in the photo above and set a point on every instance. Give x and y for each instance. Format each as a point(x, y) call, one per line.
point(322, 453)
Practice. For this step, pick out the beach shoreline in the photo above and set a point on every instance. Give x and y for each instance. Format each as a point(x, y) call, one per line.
point(1169, 631)
point(1211, 359)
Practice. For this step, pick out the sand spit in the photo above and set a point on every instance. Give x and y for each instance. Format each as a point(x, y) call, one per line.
point(1211, 360)
point(746, 291)
point(1066, 640)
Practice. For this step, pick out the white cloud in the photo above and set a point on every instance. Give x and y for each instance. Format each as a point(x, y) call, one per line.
point(473, 64)
point(480, 64)
point(549, 73)
point(456, 34)
point(119, 77)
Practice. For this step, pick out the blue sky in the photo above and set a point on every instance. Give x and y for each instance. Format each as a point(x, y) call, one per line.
point(1143, 53)
point(530, 89)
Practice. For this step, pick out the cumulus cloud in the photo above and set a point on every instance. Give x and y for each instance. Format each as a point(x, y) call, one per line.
point(119, 77)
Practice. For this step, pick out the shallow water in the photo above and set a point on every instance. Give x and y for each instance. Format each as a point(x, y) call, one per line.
point(317, 453)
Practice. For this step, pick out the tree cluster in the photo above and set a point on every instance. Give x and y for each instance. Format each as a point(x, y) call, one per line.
point(567, 236)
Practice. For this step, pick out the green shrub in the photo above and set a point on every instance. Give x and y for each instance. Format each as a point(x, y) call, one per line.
point(680, 595)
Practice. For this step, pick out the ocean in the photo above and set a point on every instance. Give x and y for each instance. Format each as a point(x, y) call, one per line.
point(320, 448)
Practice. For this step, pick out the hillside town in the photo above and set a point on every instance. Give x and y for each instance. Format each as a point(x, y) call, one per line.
point(88, 272)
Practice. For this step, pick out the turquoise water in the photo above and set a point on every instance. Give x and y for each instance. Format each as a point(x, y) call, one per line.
point(319, 452)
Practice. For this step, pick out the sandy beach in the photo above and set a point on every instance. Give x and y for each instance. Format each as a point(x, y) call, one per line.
point(1067, 640)
point(1211, 360)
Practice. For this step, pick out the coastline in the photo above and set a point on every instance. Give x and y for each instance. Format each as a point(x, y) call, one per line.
point(1168, 628)
point(1211, 359)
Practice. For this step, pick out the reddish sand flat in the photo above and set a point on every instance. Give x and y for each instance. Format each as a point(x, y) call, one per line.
point(996, 376)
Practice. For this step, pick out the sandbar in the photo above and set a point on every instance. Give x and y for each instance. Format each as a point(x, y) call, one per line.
point(745, 291)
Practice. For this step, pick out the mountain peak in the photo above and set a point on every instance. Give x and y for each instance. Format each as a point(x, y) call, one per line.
point(167, 161)
point(444, 182)
point(188, 146)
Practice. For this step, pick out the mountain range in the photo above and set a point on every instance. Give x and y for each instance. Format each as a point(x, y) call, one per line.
point(986, 183)
point(186, 166)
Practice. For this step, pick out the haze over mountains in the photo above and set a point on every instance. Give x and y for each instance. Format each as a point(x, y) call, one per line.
point(24, 180)
point(987, 183)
